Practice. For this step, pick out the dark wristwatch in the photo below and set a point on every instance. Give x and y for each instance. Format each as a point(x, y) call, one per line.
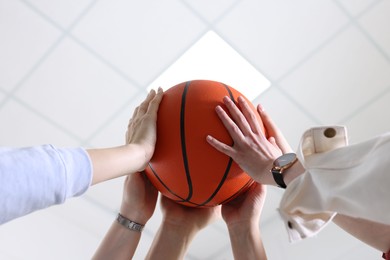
point(281, 164)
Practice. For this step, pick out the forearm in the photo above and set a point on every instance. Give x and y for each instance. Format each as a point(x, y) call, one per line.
point(374, 234)
point(109, 163)
point(171, 242)
point(246, 242)
point(119, 243)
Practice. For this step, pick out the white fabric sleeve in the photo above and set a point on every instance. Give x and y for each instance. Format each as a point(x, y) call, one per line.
point(351, 180)
point(34, 178)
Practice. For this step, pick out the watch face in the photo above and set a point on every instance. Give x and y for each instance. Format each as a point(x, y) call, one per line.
point(285, 159)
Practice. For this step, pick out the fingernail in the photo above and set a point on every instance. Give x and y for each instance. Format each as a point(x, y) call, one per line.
point(160, 89)
point(261, 107)
point(227, 99)
point(218, 108)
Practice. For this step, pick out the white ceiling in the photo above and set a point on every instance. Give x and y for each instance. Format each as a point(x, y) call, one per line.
point(72, 72)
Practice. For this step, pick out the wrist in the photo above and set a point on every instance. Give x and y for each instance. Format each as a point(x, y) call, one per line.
point(134, 215)
point(242, 227)
point(181, 230)
point(295, 171)
point(284, 170)
point(136, 156)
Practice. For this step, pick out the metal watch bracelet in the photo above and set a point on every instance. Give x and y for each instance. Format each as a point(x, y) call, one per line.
point(129, 223)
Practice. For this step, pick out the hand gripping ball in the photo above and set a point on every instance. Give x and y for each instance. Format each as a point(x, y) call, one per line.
point(184, 167)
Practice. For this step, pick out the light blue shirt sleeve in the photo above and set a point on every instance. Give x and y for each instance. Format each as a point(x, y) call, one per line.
point(34, 178)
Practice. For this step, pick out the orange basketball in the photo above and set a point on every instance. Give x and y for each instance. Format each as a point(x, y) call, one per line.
point(184, 167)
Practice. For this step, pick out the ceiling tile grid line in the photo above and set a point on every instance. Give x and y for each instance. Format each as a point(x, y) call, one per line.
point(297, 104)
point(105, 61)
point(311, 54)
point(210, 26)
point(221, 16)
point(124, 107)
point(249, 60)
point(82, 142)
point(276, 81)
point(175, 58)
point(352, 22)
point(52, 48)
point(135, 37)
point(364, 106)
point(48, 19)
point(38, 113)
point(362, 12)
point(363, 31)
point(279, 89)
point(67, 32)
point(40, 61)
point(220, 34)
point(322, 85)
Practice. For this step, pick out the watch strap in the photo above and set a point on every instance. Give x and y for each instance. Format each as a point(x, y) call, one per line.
point(278, 177)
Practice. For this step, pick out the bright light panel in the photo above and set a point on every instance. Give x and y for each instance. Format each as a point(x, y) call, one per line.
point(212, 58)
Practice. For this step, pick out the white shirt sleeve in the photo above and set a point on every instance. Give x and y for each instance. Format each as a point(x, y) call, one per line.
point(351, 180)
point(34, 178)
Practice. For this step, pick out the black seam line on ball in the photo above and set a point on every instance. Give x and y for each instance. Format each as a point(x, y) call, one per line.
point(220, 183)
point(229, 162)
point(239, 191)
point(165, 186)
point(231, 97)
point(230, 92)
point(183, 139)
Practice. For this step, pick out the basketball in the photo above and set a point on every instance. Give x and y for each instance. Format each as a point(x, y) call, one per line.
point(184, 167)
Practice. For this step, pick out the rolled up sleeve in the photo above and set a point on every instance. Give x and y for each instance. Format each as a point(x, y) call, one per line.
point(34, 178)
point(340, 178)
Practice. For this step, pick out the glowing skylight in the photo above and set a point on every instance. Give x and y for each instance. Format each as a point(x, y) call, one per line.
point(212, 58)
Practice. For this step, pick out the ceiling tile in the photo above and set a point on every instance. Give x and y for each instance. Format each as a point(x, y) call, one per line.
point(83, 90)
point(271, 205)
point(360, 251)
point(25, 37)
point(108, 194)
point(114, 131)
point(211, 10)
point(143, 246)
point(369, 121)
point(376, 22)
point(275, 35)
point(90, 217)
point(25, 127)
point(141, 40)
point(47, 236)
point(2, 96)
point(75, 90)
point(291, 119)
point(216, 241)
point(340, 78)
point(62, 12)
point(355, 7)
